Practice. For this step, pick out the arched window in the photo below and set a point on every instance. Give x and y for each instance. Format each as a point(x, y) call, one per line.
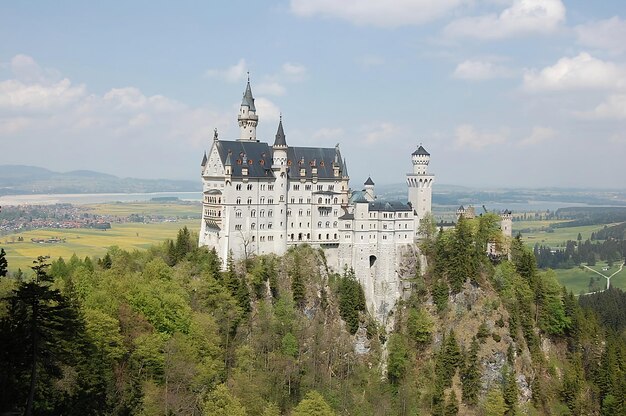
point(253, 213)
point(335, 224)
point(262, 213)
point(249, 201)
point(270, 213)
point(319, 224)
point(252, 226)
point(327, 224)
point(319, 200)
point(238, 200)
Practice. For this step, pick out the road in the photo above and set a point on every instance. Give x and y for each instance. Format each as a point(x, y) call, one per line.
point(608, 278)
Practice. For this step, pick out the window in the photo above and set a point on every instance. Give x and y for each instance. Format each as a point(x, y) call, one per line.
point(270, 187)
point(252, 226)
point(269, 225)
point(308, 212)
point(335, 200)
point(300, 200)
point(238, 227)
point(249, 187)
point(263, 187)
point(289, 213)
point(253, 213)
point(327, 224)
point(270, 213)
point(262, 213)
point(319, 200)
point(238, 200)
point(262, 200)
point(335, 224)
point(253, 239)
point(307, 187)
point(281, 199)
point(238, 187)
point(300, 213)
point(296, 187)
point(249, 201)
point(262, 226)
point(319, 224)
point(320, 187)
point(293, 200)
point(270, 201)
point(331, 187)
point(238, 214)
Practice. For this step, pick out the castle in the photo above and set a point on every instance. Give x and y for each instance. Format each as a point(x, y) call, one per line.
point(260, 198)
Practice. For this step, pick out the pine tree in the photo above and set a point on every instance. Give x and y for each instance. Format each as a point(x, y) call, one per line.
point(452, 405)
point(3, 263)
point(509, 391)
point(297, 283)
point(471, 376)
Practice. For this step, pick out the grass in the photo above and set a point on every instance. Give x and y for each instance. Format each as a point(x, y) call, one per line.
point(577, 279)
point(191, 210)
point(89, 242)
point(559, 237)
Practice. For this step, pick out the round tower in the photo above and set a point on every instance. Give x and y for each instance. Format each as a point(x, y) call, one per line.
point(420, 184)
point(420, 159)
point(506, 223)
point(247, 117)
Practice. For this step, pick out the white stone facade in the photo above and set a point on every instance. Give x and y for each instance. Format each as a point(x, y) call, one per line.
point(261, 198)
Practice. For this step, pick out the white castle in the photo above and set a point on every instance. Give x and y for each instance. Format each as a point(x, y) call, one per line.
point(260, 198)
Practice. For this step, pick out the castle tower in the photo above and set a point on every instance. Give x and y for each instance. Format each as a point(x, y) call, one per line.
point(369, 189)
point(420, 184)
point(506, 223)
point(247, 117)
point(281, 186)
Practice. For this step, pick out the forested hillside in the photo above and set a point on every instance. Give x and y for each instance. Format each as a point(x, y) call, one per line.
point(165, 332)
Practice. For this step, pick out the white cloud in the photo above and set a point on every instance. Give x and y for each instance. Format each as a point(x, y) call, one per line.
point(390, 13)
point(233, 73)
point(537, 136)
point(293, 72)
point(380, 132)
point(614, 107)
point(480, 70)
point(270, 88)
point(523, 17)
point(59, 119)
point(580, 72)
point(266, 110)
point(468, 137)
point(609, 34)
point(17, 95)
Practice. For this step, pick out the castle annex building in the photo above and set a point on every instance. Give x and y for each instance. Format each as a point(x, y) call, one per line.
point(261, 198)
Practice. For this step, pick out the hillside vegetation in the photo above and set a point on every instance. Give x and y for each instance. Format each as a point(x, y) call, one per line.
point(164, 332)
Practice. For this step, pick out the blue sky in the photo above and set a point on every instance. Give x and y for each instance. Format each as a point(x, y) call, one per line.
point(502, 93)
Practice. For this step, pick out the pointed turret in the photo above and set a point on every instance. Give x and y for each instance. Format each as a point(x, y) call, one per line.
point(248, 99)
point(345, 168)
point(247, 117)
point(204, 160)
point(369, 189)
point(280, 135)
point(279, 149)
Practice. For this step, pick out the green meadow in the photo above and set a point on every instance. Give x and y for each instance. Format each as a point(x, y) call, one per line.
point(577, 279)
point(147, 208)
point(556, 238)
point(89, 242)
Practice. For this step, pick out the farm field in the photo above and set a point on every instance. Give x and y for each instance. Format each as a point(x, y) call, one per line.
point(89, 242)
point(577, 279)
point(559, 237)
point(189, 210)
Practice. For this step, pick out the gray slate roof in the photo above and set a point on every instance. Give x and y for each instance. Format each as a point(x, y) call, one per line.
point(379, 205)
point(204, 160)
point(421, 152)
point(258, 156)
point(369, 181)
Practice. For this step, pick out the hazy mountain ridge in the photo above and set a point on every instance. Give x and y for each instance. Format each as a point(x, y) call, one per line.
point(21, 179)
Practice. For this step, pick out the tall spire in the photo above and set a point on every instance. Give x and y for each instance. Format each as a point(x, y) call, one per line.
point(248, 99)
point(345, 168)
point(247, 117)
point(280, 135)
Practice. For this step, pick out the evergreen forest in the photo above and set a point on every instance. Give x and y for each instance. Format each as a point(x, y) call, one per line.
point(165, 331)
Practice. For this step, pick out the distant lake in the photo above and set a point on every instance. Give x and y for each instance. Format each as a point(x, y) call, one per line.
point(81, 199)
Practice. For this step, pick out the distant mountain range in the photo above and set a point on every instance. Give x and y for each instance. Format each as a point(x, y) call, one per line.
point(20, 179)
